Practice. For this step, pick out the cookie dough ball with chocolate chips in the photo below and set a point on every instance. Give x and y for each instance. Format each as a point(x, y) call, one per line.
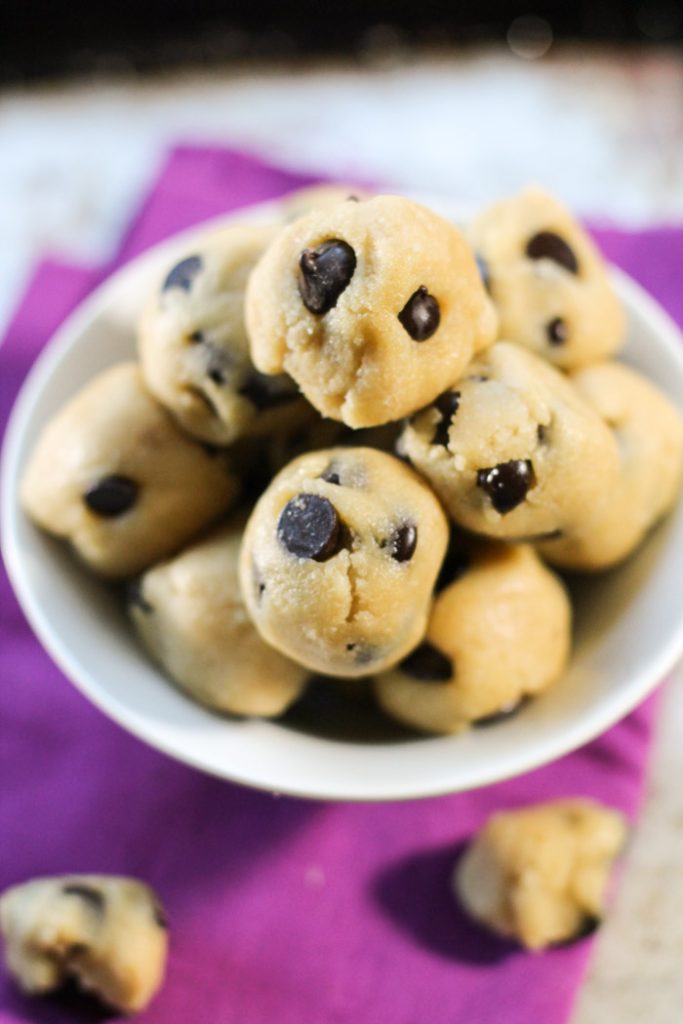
point(548, 281)
point(371, 307)
point(498, 633)
point(190, 616)
point(339, 559)
point(512, 450)
point(649, 432)
point(107, 933)
point(539, 874)
point(113, 474)
point(194, 349)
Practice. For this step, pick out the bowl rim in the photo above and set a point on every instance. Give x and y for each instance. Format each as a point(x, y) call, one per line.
point(588, 727)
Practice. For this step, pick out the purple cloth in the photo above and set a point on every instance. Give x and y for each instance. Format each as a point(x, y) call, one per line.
point(281, 910)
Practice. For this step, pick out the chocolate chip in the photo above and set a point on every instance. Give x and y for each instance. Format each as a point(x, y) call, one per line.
point(507, 484)
point(324, 273)
point(111, 496)
point(589, 925)
point(484, 271)
point(309, 527)
point(455, 564)
point(364, 654)
point(135, 597)
point(197, 337)
point(159, 915)
point(447, 404)
point(93, 897)
point(183, 274)
point(541, 433)
point(265, 391)
point(403, 542)
point(502, 714)
point(546, 245)
point(421, 315)
point(557, 331)
point(428, 664)
point(331, 474)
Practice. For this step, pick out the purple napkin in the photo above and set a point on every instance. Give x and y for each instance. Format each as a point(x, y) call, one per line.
point(281, 910)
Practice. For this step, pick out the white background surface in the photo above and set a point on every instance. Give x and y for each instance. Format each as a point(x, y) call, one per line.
point(605, 131)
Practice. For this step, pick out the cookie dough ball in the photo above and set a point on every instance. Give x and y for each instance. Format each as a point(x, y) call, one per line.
point(107, 933)
point(372, 307)
point(339, 559)
point(194, 349)
point(190, 616)
point(319, 197)
point(497, 634)
point(114, 475)
point(548, 281)
point(649, 432)
point(512, 450)
point(539, 874)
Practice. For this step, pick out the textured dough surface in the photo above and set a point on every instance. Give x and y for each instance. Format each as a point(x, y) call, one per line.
point(502, 628)
point(318, 197)
point(530, 294)
point(194, 349)
point(360, 610)
point(190, 616)
point(649, 432)
point(113, 427)
point(539, 874)
point(514, 407)
point(107, 933)
point(357, 362)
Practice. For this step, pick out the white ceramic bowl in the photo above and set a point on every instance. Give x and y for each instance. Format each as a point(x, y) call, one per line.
point(629, 622)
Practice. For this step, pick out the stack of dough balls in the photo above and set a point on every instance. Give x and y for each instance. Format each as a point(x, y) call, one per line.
point(357, 443)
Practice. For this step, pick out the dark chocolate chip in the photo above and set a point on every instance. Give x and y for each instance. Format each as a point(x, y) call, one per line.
point(265, 391)
point(217, 361)
point(546, 245)
point(557, 331)
point(324, 273)
point(259, 584)
point(428, 664)
point(502, 714)
point(331, 474)
point(447, 404)
point(484, 271)
point(111, 496)
point(507, 484)
point(93, 897)
point(197, 337)
point(309, 527)
point(421, 315)
point(363, 653)
point(455, 564)
point(135, 597)
point(588, 927)
point(159, 915)
point(183, 274)
point(403, 542)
